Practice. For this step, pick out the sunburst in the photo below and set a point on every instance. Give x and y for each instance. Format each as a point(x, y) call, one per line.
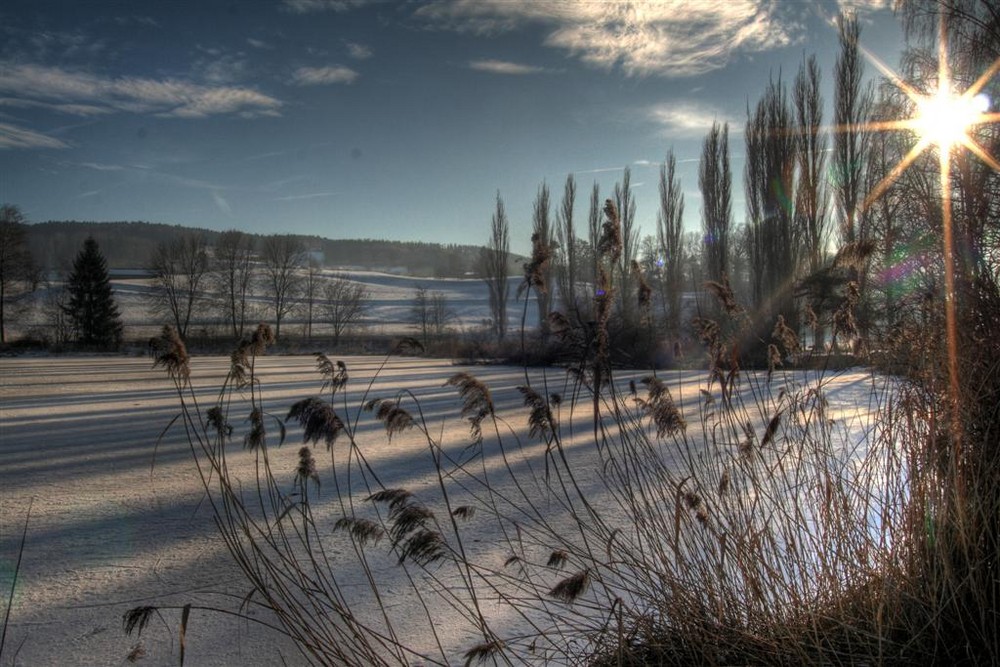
point(943, 117)
point(947, 119)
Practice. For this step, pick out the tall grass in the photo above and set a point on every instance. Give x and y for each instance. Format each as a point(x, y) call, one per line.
point(650, 522)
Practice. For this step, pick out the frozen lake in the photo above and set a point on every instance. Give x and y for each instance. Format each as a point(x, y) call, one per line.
point(110, 530)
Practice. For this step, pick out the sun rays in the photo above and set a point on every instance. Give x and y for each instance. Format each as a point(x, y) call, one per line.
point(943, 117)
point(947, 118)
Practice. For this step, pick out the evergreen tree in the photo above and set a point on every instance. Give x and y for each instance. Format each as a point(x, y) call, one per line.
point(92, 311)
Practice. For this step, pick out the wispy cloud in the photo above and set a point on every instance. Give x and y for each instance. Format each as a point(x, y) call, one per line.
point(12, 137)
point(318, 76)
point(358, 51)
point(503, 67)
point(673, 38)
point(686, 119)
point(599, 170)
point(311, 6)
point(164, 97)
point(72, 109)
point(313, 195)
point(221, 203)
point(258, 43)
point(102, 167)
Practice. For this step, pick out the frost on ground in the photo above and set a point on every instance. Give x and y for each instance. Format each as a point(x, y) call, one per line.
point(119, 518)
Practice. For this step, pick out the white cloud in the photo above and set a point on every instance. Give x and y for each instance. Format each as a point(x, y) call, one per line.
point(685, 119)
point(675, 38)
point(503, 67)
point(83, 91)
point(221, 68)
point(358, 51)
point(861, 6)
point(316, 76)
point(12, 137)
point(258, 43)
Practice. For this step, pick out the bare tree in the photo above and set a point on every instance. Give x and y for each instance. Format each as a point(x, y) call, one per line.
point(670, 239)
point(594, 237)
point(284, 258)
point(441, 314)
point(345, 304)
point(420, 313)
point(495, 262)
point(811, 195)
point(430, 313)
point(233, 276)
point(715, 183)
point(17, 274)
point(769, 178)
point(539, 270)
point(180, 270)
point(625, 203)
point(311, 282)
point(851, 103)
point(568, 273)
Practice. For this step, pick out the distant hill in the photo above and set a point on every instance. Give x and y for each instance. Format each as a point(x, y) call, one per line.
point(129, 245)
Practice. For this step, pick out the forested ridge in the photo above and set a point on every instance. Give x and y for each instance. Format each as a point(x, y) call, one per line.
point(128, 245)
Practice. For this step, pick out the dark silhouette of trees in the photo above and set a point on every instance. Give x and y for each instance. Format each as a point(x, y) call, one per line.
point(180, 270)
point(233, 276)
point(283, 256)
point(17, 273)
point(91, 307)
point(495, 265)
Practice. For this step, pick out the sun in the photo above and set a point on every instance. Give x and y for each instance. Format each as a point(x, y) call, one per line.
point(946, 119)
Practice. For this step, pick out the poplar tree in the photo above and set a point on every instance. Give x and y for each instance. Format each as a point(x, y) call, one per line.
point(495, 260)
point(670, 238)
point(715, 182)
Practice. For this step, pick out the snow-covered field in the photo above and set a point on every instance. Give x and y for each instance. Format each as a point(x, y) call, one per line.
point(389, 307)
point(111, 529)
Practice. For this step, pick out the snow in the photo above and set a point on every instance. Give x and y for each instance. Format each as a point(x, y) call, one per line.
point(117, 513)
point(389, 309)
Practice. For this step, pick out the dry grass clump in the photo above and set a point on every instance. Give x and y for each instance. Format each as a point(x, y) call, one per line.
point(742, 524)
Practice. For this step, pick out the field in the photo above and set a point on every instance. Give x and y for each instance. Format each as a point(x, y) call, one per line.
point(118, 517)
point(388, 309)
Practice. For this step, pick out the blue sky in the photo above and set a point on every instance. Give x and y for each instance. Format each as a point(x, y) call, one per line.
point(390, 120)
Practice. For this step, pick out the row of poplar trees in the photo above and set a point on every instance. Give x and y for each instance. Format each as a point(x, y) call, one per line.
point(780, 261)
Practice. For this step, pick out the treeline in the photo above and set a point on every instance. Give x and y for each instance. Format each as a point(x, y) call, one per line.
point(129, 245)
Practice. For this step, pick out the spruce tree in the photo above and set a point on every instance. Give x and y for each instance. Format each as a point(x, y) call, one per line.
point(91, 309)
